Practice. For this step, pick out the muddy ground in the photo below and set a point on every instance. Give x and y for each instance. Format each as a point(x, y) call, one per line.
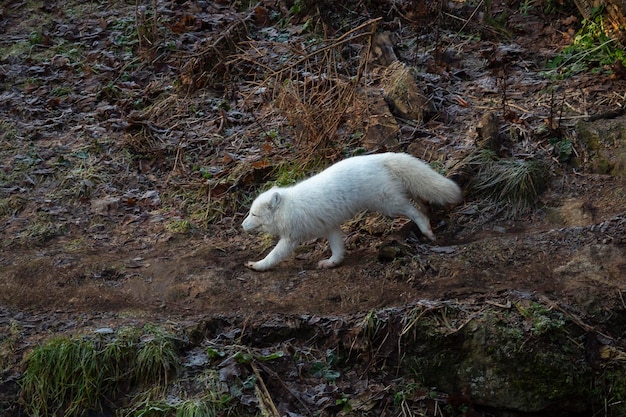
point(97, 231)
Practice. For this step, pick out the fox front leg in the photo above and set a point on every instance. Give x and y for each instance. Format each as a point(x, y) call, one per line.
point(281, 251)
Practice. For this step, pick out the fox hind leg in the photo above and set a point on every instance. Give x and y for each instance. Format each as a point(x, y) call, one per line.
point(337, 248)
point(421, 220)
point(397, 204)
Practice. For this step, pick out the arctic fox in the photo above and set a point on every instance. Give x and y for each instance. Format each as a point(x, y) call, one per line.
point(317, 207)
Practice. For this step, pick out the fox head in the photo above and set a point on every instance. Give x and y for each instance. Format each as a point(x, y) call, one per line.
point(262, 213)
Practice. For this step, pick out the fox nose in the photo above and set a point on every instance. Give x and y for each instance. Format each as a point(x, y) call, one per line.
point(246, 225)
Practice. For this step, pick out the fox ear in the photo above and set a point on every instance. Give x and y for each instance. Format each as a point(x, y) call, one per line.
point(274, 201)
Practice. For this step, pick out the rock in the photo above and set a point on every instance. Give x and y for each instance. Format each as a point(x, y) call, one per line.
point(104, 331)
point(405, 97)
point(526, 359)
point(382, 128)
point(488, 132)
point(391, 250)
point(382, 49)
point(605, 141)
point(602, 263)
point(574, 212)
point(105, 206)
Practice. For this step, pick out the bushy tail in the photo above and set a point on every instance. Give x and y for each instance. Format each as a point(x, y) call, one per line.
point(422, 181)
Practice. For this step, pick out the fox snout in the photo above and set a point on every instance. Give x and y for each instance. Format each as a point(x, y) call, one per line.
point(249, 225)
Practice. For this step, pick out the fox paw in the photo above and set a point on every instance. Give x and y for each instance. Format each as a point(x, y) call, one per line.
point(255, 266)
point(428, 233)
point(327, 264)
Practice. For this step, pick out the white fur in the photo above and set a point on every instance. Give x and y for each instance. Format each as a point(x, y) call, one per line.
point(319, 205)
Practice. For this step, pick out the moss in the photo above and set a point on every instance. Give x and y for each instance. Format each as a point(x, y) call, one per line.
point(551, 376)
point(10, 335)
point(612, 387)
point(11, 205)
point(526, 358)
point(604, 141)
point(182, 226)
point(291, 172)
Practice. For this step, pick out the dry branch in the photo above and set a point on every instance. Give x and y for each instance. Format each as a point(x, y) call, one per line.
point(314, 88)
point(203, 68)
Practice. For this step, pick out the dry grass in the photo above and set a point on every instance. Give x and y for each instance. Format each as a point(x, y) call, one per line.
point(314, 87)
point(513, 184)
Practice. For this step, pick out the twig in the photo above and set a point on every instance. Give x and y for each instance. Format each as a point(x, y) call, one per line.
point(276, 377)
point(268, 407)
point(577, 320)
point(611, 114)
point(345, 38)
point(621, 297)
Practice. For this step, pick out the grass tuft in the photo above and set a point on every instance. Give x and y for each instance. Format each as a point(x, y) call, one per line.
point(514, 184)
point(157, 358)
point(73, 376)
point(63, 378)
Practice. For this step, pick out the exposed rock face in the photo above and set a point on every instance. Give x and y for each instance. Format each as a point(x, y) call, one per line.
point(518, 358)
point(405, 97)
point(606, 145)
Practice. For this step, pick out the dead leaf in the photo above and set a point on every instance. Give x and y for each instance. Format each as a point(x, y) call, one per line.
point(186, 23)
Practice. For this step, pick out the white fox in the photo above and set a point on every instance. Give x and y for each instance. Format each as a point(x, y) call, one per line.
point(317, 207)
